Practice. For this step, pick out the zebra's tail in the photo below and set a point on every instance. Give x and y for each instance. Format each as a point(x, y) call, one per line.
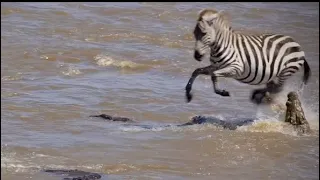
point(306, 76)
point(307, 72)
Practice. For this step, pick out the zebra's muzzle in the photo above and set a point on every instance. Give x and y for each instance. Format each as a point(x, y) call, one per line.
point(197, 56)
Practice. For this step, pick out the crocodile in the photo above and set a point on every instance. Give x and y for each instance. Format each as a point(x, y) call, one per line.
point(74, 174)
point(295, 114)
point(231, 125)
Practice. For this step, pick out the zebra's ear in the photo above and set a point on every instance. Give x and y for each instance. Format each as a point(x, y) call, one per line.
point(224, 15)
point(200, 12)
point(221, 13)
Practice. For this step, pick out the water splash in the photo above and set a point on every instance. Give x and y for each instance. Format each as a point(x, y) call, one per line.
point(311, 110)
point(269, 125)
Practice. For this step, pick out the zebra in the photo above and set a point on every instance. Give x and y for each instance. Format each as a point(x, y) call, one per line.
point(262, 59)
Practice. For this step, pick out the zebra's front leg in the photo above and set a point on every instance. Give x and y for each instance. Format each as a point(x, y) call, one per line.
point(204, 71)
point(229, 72)
point(216, 89)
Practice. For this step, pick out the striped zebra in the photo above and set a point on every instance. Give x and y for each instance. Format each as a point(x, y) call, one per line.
point(264, 59)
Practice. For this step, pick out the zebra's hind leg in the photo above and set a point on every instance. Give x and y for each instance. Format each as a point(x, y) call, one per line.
point(258, 95)
point(272, 87)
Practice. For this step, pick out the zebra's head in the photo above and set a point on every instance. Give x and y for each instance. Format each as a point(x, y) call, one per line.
point(205, 32)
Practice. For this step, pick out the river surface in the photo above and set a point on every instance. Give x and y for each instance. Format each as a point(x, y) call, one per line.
point(61, 62)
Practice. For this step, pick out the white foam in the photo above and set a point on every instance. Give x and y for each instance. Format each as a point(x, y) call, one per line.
point(107, 60)
point(269, 125)
point(173, 128)
point(71, 71)
point(10, 163)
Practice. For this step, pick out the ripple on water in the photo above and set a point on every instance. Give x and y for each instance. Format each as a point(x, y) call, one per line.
point(54, 57)
point(15, 77)
point(121, 167)
point(164, 40)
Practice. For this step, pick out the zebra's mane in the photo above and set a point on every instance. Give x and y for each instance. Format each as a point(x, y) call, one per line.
point(206, 12)
point(226, 22)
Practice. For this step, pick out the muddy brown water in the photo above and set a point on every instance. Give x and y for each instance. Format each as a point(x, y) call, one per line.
point(61, 62)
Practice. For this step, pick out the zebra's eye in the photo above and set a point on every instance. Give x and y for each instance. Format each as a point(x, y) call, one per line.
point(209, 23)
point(198, 34)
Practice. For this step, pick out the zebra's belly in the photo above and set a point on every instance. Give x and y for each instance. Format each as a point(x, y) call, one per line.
point(257, 76)
point(251, 83)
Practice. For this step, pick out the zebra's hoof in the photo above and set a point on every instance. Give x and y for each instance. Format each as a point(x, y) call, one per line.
point(225, 93)
point(188, 97)
point(257, 98)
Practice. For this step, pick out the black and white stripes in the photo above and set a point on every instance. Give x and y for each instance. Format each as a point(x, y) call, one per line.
point(252, 59)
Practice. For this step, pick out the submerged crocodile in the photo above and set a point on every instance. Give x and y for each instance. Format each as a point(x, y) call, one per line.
point(232, 125)
point(74, 174)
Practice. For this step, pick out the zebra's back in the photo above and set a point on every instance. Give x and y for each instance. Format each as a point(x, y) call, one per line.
point(265, 57)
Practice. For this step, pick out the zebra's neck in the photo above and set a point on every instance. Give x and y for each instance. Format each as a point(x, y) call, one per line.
point(222, 50)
